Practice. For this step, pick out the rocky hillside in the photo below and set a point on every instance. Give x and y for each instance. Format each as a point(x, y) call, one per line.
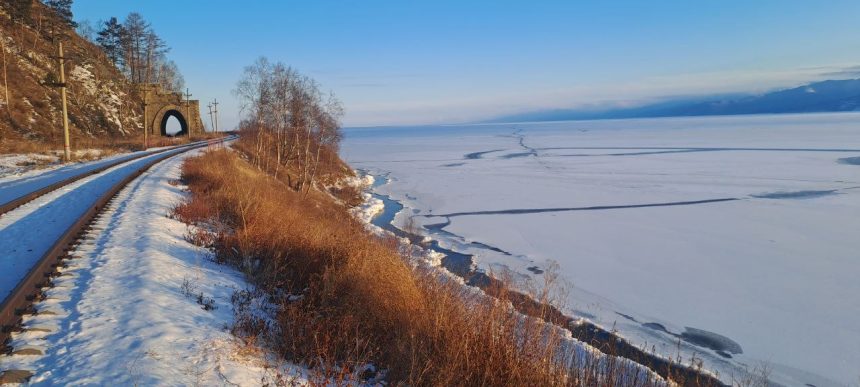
point(101, 102)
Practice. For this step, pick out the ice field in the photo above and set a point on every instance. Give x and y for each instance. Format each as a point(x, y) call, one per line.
point(736, 239)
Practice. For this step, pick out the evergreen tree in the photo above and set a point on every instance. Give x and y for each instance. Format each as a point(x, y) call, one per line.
point(139, 52)
point(110, 38)
point(63, 9)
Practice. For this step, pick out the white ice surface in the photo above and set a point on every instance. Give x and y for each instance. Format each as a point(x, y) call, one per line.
point(778, 276)
point(119, 314)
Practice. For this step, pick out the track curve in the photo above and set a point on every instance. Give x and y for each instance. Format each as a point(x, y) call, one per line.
point(18, 301)
point(9, 204)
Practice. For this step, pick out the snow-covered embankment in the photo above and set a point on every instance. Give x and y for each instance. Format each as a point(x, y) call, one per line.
point(138, 304)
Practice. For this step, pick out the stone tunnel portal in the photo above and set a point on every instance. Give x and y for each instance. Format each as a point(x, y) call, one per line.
point(179, 117)
point(161, 105)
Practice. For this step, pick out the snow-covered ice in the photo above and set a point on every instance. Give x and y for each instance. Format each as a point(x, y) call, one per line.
point(121, 313)
point(737, 234)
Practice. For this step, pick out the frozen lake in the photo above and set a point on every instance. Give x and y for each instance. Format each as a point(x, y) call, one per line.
point(737, 237)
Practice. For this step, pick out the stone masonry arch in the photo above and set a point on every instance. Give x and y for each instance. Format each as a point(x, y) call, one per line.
point(163, 104)
point(159, 122)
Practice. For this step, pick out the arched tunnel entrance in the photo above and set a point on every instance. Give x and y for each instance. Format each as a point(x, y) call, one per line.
point(183, 124)
point(165, 110)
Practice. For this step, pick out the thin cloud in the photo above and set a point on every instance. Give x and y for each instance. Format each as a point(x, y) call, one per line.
point(848, 72)
point(647, 90)
point(365, 85)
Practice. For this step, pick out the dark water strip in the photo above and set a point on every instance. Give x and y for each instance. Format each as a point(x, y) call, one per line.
point(796, 194)
point(457, 263)
point(702, 148)
point(478, 155)
point(518, 211)
point(642, 153)
point(850, 160)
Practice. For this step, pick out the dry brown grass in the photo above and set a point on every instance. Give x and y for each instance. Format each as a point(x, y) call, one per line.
point(329, 169)
point(347, 299)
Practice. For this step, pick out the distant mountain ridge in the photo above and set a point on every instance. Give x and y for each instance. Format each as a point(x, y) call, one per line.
point(824, 96)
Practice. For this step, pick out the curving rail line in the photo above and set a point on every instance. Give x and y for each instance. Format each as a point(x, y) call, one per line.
point(19, 301)
point(26, 198)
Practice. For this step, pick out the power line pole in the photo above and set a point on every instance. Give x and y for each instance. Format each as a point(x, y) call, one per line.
point(67, 149)
point(216, 113)
point(145, 119)
point(188, 111)
point(5, 80)
point(211, 122)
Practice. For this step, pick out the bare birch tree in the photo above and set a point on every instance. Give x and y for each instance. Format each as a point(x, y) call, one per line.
point(292, 122)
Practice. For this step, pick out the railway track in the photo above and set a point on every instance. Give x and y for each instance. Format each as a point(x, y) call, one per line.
point(28, 290)
point(32, 195)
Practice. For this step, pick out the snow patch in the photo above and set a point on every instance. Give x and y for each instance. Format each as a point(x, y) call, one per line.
point(84, 75)
point(434, 258)
point(368, 209)
point(370, 206)
point(17, 164)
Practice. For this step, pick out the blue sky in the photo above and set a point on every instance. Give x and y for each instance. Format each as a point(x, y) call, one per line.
point(410, 62)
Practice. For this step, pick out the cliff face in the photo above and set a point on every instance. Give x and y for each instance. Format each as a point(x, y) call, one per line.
point(101, 103)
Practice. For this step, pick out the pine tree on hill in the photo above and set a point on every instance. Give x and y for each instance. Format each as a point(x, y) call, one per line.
point(63, 8)
point(110, 39)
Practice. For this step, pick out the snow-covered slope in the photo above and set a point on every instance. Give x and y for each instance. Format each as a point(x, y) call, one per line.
point(126, 310)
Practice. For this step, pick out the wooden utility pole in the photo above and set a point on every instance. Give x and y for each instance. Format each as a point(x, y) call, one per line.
point(67, 149)
point(145, 90)
point(215, 103)
point(5, 80)
point(188, 111)
point(211, 122)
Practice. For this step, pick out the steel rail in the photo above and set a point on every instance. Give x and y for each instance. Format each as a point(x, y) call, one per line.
point(28, 290)
point(26, 198)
